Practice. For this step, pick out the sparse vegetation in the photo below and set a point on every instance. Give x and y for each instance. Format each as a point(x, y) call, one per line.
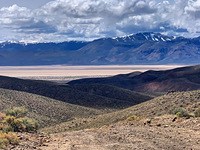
point(69, 94)
point(8, 138)
point(148, 109)
point(133, 118)
point(197, 113)
point(180, 112)
point(17, 112)
point(30, 124)
point(13, 124)
point(45, 110)
point(10, 122)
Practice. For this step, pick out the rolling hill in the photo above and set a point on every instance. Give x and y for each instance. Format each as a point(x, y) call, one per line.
point(162, 105)
point(69, 94)
point(45, 110)
point(113, 92)
point(179, 79)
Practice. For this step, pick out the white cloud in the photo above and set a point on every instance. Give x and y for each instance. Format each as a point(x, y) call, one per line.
point(88, 19)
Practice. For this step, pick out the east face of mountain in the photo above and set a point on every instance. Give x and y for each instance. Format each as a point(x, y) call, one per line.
point(141, 48)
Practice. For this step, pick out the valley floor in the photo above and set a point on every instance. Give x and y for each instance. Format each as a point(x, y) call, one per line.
point(63, 74)
point(162, 133)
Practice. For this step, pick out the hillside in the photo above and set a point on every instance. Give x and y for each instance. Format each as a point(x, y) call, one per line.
point(141, 48)
point(45, 110)
point(161, 134)
point(179, 79)
point(113, 92)
point(71, 95)
point(116, 132)
point(155, 107)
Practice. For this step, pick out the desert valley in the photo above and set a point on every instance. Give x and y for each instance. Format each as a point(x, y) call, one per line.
point(100, 75)
point(138, 110)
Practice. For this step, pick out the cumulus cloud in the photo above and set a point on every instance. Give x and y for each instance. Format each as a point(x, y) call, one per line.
point(88, 19)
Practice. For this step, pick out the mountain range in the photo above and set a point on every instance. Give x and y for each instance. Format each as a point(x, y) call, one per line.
point(140, 48)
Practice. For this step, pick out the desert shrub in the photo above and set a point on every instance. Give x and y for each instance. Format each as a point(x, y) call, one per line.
point(7, 128)
point(197, 113)
point(8, 138)
point(15, 124)
point(180, 112)
point(133, 118)
point(3, 142)
point(17, 112)
point(30, 124)
point(12, 138)
point(12, 122)
point(2, 116)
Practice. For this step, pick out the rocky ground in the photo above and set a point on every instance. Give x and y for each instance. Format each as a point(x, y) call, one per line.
point(160, 134)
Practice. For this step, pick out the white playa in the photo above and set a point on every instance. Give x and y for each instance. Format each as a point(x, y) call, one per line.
point(67, 73)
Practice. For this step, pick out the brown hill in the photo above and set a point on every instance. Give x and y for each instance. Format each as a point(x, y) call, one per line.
point(180, 79)
point(155, 107)
point(71, 95)
point(113, 92)
point(45, 110)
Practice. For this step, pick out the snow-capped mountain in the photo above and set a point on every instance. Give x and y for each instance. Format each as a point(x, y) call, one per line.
point(140, 48)
point(146, 36)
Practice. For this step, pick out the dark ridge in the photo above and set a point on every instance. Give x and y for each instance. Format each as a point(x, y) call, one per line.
point(180, 79)
point(68, 94)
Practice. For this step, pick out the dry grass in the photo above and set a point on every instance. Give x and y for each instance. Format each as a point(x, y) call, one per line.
point(158, 106)
point(46, 110)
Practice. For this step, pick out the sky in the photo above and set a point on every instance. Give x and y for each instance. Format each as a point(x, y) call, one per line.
point(65, 20)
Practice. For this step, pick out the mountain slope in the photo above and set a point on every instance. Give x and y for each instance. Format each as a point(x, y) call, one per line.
point(113, 92)
point(16, 53)
point(189, 100)
point(141, 48)
point(180, 79)
point(68, 94)
point(45, 110)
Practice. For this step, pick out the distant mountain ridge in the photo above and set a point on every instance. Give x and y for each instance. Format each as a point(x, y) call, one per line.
point(179, 79)
point(140, 48)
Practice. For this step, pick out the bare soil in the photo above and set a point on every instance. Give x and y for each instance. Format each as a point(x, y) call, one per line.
point(160, 134)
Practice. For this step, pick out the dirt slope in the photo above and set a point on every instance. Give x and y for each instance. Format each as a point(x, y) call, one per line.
point(162, 133)
point(158, 106)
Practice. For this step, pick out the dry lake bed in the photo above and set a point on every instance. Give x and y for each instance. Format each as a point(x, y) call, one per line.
point(62, 73)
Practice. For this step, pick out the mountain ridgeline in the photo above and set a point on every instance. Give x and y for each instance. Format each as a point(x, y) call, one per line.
point(115, 98)
point(141, 48)
point(179, 79)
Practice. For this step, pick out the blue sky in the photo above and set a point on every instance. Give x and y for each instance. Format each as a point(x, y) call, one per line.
point(62, 20)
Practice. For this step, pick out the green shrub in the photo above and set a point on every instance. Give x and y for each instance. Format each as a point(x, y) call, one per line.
point(180, 112)
point(133, 118)
point(17, 112)
point(30, 124)
point(12, 122)
point(3, 142)
point(16, 124)
point(7, 128)
point(12, 138)
point(8, 138)
point(197, 113)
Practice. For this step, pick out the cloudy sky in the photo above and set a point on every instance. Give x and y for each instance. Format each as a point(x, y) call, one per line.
point(62, 20)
